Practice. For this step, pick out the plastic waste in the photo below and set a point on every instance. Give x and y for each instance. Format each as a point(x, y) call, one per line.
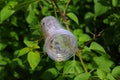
point(60, 44)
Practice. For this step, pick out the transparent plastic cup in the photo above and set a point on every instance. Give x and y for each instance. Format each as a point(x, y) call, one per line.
point(60, 44)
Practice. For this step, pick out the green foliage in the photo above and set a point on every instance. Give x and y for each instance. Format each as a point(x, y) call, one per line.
point(82, 37)
point(101, 62)
point(7, 11)
point(116, 71)
point(98, 48)
point(51, 74)
point(33, 59)
point(99, 8)
point(73, 17)
point(23, 51)
point(101, 74)
point(83, 76)
point(95, 24)
point(72, 68)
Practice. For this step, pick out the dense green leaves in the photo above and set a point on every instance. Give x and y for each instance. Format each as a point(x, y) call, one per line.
point(103, 63)
point(72, 68)
point(95, 24)
point(110, 77)
point(7, 11)
point(101, 74)
point(31, 45)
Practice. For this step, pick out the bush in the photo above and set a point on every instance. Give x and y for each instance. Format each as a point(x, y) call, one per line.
point(95, 23)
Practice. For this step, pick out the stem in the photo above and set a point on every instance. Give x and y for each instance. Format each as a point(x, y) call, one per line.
point(67, 5)
point(73, 57)
point(81, 60)
point(66, 23)
point(55, 7)
point(63, 14)
point(40, 4)
point(23, 4)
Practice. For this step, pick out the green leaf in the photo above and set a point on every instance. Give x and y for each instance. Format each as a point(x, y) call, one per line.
point(112, 19)
point(28, 43)
point(14, 21)
point(77, 32)
point(49, 74)
point(73, 17)
point(24, 4)
point(32, 44)
point(101, 74)
point(7, 11)
point(114, 3)
point(30, 17)
point(98, 48)
point(88, 15)
point(84, 38)
point(32, 14)
point(99, 9)
point(60, 78)
point(116, 71)
point(103, 63)
point(19, 61)
point(87, 54)
point(72, 68)
point(110, 77)
point(45, 10)
point(2, 61)
point(14, 35)
point(33, 59)
point(59, 65)
point(2, 46)
point(83, 76)
point(23, 51)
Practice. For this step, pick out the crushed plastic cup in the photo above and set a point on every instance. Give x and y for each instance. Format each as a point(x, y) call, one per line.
point(60, 44)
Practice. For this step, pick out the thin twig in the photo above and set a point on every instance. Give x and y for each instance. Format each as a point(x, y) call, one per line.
point(63, 14)
point(55, 7)
point(66, 5)
point(81, 60)
point(95, 36)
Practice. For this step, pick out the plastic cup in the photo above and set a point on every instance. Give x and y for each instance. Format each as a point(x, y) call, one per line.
point(60, 44)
